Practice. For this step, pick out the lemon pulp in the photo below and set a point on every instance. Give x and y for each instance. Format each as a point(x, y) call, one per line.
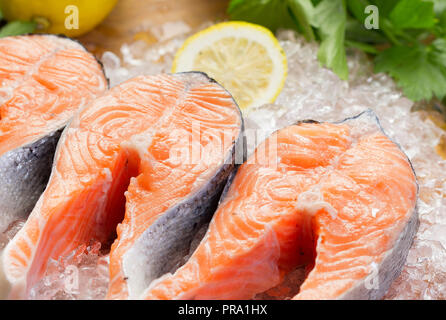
point(245, 58)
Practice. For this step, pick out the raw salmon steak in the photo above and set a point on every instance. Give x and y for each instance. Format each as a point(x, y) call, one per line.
point(44, 79)
point(338, 198)
point(153, 154)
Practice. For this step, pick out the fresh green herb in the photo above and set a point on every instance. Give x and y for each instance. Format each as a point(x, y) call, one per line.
point(16, 28)
point(413, 14)
point(330, 17)
point(420, 79)
point(302, 12)
point(409, 44)
point(272, 14)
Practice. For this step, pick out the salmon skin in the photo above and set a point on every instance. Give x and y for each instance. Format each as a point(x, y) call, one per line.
point(152, 154)
point(338, 198)
point(44, 79)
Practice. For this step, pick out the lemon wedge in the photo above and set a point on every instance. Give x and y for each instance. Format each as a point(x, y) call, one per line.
point(243, 57)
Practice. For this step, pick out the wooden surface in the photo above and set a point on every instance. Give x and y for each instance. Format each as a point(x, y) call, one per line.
point(133, 19)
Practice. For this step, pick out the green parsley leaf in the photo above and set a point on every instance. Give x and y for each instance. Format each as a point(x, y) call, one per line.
point(355, 31)
point(414, 14)
point(16, 28)
point(440, 14)
point(385, 7)
point(273, 14)
point(362, 46)
point(303, 11)
point(439, 7)
point(417, 70)
point(330, 18)
point(438, 52)
point(357, 8)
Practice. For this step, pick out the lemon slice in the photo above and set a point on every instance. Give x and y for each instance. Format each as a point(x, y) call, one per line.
point(243, 57)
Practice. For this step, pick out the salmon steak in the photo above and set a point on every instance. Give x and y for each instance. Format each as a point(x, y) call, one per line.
point(337, 198)
point(152, 155)
point(44, 79)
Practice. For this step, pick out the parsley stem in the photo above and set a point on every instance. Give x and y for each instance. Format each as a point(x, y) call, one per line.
point(386, 28)
point(362, 46)
point(407, 37)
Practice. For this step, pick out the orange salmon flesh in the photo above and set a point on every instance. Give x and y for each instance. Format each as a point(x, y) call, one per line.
point(44, 79)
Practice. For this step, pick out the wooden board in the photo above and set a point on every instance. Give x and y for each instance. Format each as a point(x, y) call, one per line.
point(132, 19)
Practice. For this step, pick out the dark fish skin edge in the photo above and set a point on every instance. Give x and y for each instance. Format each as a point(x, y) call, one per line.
point(167, 241)
point(25, 171)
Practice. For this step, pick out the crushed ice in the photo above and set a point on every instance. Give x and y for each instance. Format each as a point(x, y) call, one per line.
point(82, 275)
point(310, 92)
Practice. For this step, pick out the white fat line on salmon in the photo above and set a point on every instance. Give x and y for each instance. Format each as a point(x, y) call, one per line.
point(312, 201)
point(101, 204)
point(142, 141)
point(189, 144)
